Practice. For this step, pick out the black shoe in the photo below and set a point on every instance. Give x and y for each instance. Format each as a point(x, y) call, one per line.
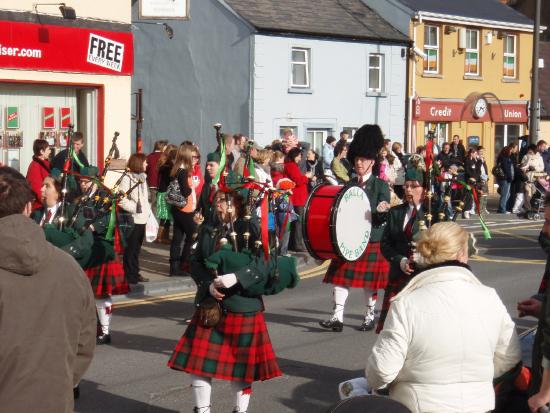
point(332, 324)
point(103, 339)
point(176, 271)
point(142, 279)
point(76, 392)
point(367, 325)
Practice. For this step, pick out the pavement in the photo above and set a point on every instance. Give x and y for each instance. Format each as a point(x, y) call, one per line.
point(131, 376)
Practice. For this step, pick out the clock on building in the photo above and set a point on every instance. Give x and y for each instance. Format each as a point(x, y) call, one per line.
point(480, 108)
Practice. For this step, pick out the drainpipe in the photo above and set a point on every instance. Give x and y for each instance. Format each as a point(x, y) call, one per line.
point(412, 95)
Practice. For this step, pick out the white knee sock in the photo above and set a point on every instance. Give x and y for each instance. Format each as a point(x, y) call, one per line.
point(370, 300)
point(339, 295)
point(202, 390)
point(104, 313)
point(242, 395)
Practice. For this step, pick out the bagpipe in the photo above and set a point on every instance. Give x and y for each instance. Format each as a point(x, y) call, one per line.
point(454, 193)
point(97, 203)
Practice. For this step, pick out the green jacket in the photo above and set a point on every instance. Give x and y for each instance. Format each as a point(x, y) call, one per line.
point(255, 276)
point(377, 191)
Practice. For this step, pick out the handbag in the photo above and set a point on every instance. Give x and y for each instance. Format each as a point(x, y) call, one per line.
point(173, 194)
point(498, 172)
point(210, 312)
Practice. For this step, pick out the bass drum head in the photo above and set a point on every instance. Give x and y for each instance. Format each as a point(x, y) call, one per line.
point(351, 223)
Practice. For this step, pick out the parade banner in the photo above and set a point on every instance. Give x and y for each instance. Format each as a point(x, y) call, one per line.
point(12, 117)
point(48, 118)
point(65, 49)
point(64, 117)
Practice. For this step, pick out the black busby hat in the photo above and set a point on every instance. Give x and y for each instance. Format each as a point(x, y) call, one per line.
point(367, 142)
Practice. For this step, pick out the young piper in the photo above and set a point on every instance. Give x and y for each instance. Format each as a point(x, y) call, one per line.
point(370, 272)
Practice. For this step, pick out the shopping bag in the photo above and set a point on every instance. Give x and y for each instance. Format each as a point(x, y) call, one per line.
point(151, 228)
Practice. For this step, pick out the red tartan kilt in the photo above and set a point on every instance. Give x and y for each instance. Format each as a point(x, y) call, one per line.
point(394, 287)
point(108, 279)
point(369, 271)
point(238, 348)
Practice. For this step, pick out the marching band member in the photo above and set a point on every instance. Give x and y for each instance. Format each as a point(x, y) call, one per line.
point(227, 337)
point(370, 272)
point(397, 240)
point(104, 269)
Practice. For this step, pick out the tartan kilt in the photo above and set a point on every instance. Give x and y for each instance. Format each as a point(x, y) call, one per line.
point(108, 279)
point(395, 285)
point(164, 212)
point(369, 271)
point(238, 348)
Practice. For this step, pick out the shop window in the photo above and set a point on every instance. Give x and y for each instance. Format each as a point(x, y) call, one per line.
point(375, 73)
point(509, 68)
point(505, 134)
point(431, 49)
point(300, 76)
point(440, 129)
point(472, 52)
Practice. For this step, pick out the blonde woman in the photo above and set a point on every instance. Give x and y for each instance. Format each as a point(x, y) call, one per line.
point(446, 336)
point(184, 226)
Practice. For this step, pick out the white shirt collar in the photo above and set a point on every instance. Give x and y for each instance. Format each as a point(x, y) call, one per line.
point(364, 178)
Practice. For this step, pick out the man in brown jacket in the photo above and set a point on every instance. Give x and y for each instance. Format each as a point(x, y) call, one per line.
point(47, 311)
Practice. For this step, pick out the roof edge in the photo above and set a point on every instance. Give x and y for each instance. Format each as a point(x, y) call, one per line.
point(328, 36)
point(471, 21)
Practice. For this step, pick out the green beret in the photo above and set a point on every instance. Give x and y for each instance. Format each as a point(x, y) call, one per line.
point(213, 157)
point(56, 174)
point(415, 174)
point(89, 171)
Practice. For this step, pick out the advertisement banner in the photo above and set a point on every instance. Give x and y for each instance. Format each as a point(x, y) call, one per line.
point(48, 118)
point(64, 117)
point(33, 46)
point(12, 117)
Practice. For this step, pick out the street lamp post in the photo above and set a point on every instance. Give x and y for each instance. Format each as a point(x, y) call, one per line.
point(534, 113)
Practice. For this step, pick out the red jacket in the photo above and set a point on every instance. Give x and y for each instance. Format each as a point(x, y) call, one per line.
point(276, 176)
point(36, 173)
point(152, 170)
point(299, 194)
point(198, 178)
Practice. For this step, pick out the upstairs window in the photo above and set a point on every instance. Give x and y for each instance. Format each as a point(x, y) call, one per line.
point(509, 68)
point(472, 52)
point(431, 49)
point(300, 76)
point(375, 73)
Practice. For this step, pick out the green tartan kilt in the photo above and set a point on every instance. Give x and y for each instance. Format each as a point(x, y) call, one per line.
point(163, 209)
point(238, 349)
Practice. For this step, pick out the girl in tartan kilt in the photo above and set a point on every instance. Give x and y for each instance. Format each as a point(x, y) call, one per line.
point(370, 272)
point(104, 269)
point(238, 347)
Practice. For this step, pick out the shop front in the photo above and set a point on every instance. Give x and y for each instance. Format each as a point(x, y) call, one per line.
point(55, 75)
point(477, 120)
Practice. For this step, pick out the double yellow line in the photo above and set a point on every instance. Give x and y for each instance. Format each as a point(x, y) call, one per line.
point(312, 272)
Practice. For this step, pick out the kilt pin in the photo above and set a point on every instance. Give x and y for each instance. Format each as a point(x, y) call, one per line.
point(238, 348)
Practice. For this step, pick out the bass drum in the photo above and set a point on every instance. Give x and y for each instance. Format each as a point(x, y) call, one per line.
point(337, 222)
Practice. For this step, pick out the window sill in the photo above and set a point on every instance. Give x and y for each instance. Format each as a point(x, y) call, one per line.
point(432, 75)
point(300, 90)
point(509, 80)
point(376, 94)
point(473, 77)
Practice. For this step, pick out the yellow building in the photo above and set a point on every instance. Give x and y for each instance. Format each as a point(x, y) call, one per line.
point(469, 70)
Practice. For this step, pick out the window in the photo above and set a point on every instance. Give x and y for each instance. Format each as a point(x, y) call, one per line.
point(376, 73)
point(431, 49)
point(440, 129)
point(300, 67)
point(506, 134)
point(472, 52)
point(509, 69)
point(317, 137)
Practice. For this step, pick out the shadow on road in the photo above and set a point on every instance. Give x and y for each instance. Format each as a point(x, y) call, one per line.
point(93, 400)
point(314, 396)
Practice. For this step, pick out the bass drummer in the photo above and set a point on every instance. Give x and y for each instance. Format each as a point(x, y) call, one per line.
point(370, 272)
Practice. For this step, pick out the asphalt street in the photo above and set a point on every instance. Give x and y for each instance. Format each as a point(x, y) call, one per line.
point(131, 374)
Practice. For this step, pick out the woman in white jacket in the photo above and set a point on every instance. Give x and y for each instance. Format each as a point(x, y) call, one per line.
point(447, 336)
point(137, 204)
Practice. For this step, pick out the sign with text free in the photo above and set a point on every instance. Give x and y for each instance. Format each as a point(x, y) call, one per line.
point(456, 111)
point(32, 46)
